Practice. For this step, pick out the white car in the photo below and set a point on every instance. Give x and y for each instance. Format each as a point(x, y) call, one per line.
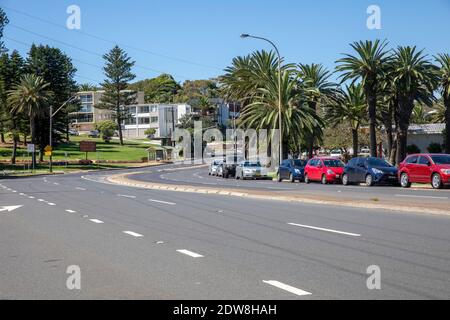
point(336, 153)
point(213, 167)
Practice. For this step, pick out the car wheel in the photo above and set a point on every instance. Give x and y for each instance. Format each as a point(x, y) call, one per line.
point(324, 179)
point(404, 180)
point(436, 181)
point(307, 179)
point(345, 181)
point(369, 180)
point(291, 178)
point(279, 177)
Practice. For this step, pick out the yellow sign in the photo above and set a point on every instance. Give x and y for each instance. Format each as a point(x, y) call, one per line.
point(48, 153)
point(48, 148)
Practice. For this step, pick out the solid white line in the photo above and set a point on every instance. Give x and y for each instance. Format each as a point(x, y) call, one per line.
point(286, 287)
point(134, 234)
point(190, 253)
point(414, 196)
point(70, 211)
point(163, 202)
point(126, 196)
point(96, 220)
point(323, 229)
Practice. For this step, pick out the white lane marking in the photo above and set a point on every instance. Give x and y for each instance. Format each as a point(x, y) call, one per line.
point(13, 191)
point(190, 253)
point(79, 188)
point(163, 202)
point(51, 204)
point(70, 211)
point(9, 208)
point(323, 229)
point(30, 197)
point(41, 200)
point(56, 183)
point(126, 196)
point(22, 194)
point(288, 288)
point(96, 220)
point(415, 196)
point(134, 234)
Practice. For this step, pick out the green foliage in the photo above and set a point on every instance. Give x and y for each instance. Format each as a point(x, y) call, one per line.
point(150, 131)
point(434, 148)
point(106, 128)
point(118, 73)
point(161, 89)
point(412, 148)
point(3, 22)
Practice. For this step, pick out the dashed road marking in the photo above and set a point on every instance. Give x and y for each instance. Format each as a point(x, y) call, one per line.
point(126, 196)
point(190, 253)
point(163, 202)
point(323, 229)
point(287, 287)
point(96, 220)
point(70, 211)
point(134, 234)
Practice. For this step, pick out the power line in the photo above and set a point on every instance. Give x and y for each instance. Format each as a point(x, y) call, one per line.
point(115, 42)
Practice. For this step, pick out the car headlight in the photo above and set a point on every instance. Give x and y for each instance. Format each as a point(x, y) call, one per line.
point(297, 171)
point(445, 171)
point(330, 171)
point(377, 171)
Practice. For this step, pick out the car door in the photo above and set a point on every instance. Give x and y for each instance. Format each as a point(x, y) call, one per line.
point(311, 167)
point(361, 169)
point(318, 169)
point(411, 168)
point(350, 169)
point(423, 169)
point(284, 169)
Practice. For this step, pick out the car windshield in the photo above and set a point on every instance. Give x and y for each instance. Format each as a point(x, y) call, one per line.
point(333, 163)
point(252, 164)
point(378, 163)
point(299, 163)
point(441, 159)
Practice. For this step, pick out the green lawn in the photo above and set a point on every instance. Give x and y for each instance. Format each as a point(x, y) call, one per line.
point(112, 151)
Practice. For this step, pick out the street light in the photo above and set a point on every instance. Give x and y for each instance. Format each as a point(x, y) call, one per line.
point(52, 114)
point(245, 35)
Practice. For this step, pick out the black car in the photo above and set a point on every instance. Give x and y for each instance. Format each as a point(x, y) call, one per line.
point(227, 170)
point(292, 169)
point(370, 170)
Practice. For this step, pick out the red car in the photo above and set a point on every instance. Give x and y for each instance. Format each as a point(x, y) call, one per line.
point(326, 170)
point(425, 168)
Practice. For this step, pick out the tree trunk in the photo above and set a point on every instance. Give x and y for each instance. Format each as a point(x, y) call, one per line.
point(14, 149)
point(372, 110)
point(310, 142)
point(402, 140)
point(406, 106)
point(355, 142)
point(33, 140)
point(119, 120)
point(447, 124)
point(2, 134)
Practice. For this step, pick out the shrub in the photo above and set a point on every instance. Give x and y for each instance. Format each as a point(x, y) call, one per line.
point(434, 148)
point(412, 148)
point(106, 129)
point(150, 132)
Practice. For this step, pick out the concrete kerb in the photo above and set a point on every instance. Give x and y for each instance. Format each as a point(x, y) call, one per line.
point(122, 179)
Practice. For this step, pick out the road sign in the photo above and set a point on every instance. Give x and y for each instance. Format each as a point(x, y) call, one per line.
point(88, 146)
point(48, 148)
point(9, 208)
point(48, 153)
point(30, 147)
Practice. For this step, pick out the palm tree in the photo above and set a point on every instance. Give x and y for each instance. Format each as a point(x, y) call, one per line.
point(29, 97)
point(438, 113)
point(368, 65)
point(317, 91)
point(350, 109)
point(419, 116)
point(415, 79)
point(444, 83)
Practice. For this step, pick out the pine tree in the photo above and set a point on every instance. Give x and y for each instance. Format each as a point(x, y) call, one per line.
point(118, 73)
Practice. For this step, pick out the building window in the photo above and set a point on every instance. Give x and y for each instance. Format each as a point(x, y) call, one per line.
point(86, 98)
point(144, 120)
point(153, 119)
point(86, 107)
point(88, 117)
point(132, 110)
point(153, 109)
point(144, 109)
point(130, 121)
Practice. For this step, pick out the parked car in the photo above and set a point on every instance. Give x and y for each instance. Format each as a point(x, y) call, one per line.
point(250, 170)
point(94, 134)
point(228, 169)
point(336, 153)
point(425, 168)
point(292, 169)
point(369, 170)
point(326, 170)
point(73, 132)
point(213, 166)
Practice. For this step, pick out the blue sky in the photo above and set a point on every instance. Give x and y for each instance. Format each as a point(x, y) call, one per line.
point(196, 39)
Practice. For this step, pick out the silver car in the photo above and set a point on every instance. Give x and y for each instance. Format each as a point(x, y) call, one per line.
point(213, 167)
point(250, 170)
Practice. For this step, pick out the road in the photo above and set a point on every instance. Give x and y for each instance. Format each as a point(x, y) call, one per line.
point(133, 243)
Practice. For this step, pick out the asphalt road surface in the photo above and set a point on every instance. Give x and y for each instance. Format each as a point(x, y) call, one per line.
point(134, 243)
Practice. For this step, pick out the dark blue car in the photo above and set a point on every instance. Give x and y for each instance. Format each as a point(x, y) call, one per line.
point(291, 169)
point(369, 170)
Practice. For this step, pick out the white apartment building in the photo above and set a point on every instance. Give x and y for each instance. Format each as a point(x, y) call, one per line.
point(162, 117)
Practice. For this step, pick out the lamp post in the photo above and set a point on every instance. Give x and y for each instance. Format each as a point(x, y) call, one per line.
point(52, 114)
point(245, 35)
